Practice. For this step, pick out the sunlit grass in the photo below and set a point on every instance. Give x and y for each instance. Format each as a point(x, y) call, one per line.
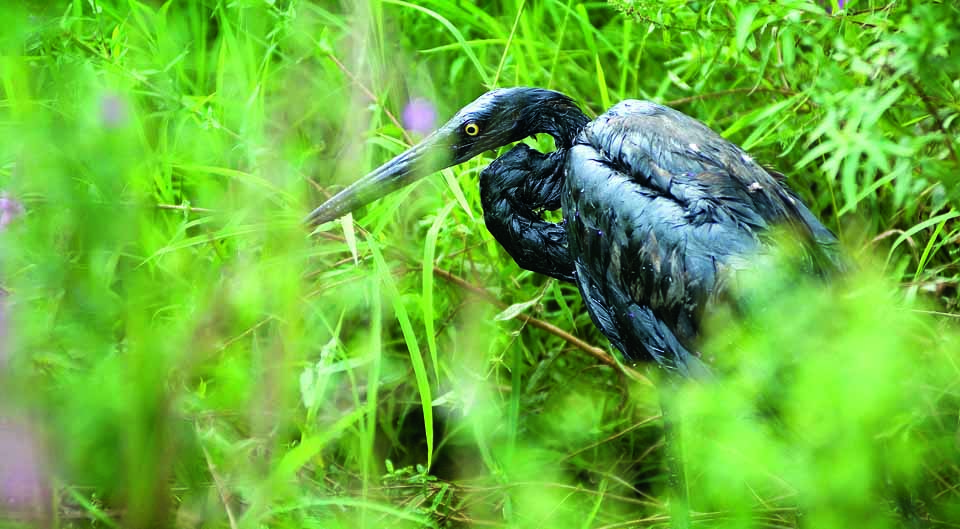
point(179, 351)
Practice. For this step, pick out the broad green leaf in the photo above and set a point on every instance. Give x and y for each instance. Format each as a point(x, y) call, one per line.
point(745, 23)
point(514, 310)
point(413, 347)
point(429, 312)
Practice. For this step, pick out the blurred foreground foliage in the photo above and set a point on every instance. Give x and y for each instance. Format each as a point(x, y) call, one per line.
point(178, 352)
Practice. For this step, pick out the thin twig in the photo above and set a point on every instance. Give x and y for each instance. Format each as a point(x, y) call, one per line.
point(256, 326)
point(936, 313)
point(221, 488)
point(881, 236)
point(631, 11)
point(473, 489)
point(783, 71)
point(593, 351)
point(185, 208)
point(621, 433)
point(506, 48)
point(596, 352)
point(373, 98)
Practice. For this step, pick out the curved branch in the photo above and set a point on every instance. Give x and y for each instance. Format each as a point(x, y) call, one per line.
point(596, 352)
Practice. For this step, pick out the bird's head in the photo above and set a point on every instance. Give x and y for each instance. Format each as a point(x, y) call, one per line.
point(495, 119)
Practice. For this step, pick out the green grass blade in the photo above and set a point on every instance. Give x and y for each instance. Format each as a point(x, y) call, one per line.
point(429, 314)
point(931, 243)
point(373, 377)
point(481, 71)
point(410, 337)
point(943, 217)
point(506, 48)
point(457, 190)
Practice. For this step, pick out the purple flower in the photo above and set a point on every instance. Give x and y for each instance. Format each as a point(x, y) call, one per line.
point(113, 111)
point(419, 116)
point(23, 476)
point(9, 209)
point(828, 5)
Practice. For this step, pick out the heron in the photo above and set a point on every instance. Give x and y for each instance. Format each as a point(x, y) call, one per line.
point(659, 212)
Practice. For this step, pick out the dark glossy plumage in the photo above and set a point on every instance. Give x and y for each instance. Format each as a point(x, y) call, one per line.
point(513, 191)
point(659, 210)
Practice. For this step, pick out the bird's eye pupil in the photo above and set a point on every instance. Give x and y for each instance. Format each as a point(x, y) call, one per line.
point(471, 129)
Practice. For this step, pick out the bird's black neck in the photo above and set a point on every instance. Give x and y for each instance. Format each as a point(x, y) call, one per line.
point(556, 115)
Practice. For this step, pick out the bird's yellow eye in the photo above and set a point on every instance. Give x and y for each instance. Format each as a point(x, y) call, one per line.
point(471, 129)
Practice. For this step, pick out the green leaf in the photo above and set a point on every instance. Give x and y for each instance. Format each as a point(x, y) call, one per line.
point(788, 47)
point(413, 348)
point(514, 310)
point(744, 24)
point(350, 236)
point(467, 50)
point(429, 314)
point(943, 217)
point(454, 186)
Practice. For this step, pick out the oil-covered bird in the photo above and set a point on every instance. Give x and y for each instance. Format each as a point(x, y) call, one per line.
point(659, 211)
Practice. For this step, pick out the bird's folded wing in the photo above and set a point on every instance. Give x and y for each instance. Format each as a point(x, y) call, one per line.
point(677, 157)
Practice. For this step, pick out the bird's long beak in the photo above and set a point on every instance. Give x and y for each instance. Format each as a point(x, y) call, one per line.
point(427, 157)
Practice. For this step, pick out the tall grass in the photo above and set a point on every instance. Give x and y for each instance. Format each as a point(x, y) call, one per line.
point(178, 351)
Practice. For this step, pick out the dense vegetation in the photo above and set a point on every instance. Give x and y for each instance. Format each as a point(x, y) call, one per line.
point(178, 351)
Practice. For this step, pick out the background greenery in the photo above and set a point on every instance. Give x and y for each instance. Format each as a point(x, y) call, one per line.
point(179, 352)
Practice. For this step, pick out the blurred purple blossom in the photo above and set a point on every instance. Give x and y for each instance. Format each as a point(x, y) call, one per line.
point(113, 110)
point(419, 116)
point(828, 5)
point(23, 476)
point(9, 209)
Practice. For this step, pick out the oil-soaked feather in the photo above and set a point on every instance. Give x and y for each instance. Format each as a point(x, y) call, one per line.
point(661, 211)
